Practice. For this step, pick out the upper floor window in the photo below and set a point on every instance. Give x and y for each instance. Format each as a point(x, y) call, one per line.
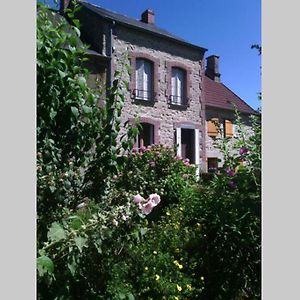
point(144, 79)
point(213, 127)
point(178, 86)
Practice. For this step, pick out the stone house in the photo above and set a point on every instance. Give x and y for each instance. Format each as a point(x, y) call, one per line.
point(171, 89)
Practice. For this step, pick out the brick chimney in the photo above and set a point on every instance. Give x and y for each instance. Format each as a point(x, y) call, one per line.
point(148, 16)
point(212, 68)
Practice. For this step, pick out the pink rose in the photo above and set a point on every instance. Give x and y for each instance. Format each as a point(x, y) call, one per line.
point(147, 207)
point(138, 198)
point(154, 198)
point(152, 163)
point(143, 149)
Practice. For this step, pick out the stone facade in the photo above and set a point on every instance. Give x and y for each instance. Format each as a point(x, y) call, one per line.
point(164, 54)
point(122, 40)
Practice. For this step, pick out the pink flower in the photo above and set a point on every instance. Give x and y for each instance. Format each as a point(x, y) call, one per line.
point(152, 163)
point(230, 172)
point(154, 198)
point(186, 163)
point(138, 198)
point(143, 149)
point(244, 151)
point(186, 160)
point(134, 150)
point(147, 207)
point(178, 157)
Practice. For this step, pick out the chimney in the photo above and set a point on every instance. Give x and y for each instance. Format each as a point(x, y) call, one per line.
point(212, 68)
point(148, 16)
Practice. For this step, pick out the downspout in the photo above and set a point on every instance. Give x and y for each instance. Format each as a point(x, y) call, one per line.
point(109, 54)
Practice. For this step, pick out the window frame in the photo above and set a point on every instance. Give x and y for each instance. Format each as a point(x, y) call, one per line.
point(147, 88)
point(133, 57)
point(187, 84)
point(181, 96)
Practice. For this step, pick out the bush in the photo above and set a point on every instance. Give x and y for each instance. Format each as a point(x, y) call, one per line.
point(157, 169)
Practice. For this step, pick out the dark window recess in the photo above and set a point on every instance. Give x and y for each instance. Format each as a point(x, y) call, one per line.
point(146, 136)
point(212, 164)
point(188, 144)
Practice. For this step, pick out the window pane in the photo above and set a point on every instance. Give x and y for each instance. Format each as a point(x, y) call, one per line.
point(143, 79)
point(177, 85)
point(146, 136)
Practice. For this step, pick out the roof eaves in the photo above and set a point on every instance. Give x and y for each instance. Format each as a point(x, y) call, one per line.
point(140, 28)
point(231, 109)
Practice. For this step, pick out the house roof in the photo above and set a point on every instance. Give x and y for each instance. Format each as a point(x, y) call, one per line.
point(138, 25)
point(218, 95)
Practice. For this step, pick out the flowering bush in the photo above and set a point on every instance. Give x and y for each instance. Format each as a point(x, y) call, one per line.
point(228, 209)
point(141, 227)
point(158, 169)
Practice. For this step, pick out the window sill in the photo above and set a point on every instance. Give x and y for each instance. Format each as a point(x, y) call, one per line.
point(146, 102)
point(178, 106)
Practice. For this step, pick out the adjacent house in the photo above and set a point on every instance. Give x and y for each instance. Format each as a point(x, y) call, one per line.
point(177, 96)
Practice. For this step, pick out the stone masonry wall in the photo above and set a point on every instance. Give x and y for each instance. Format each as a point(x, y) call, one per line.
point(164, 51)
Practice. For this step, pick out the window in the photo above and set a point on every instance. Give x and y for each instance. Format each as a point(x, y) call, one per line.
point(178, 84)
point(146, 136)
point(188, 144)
point(144, 79)
point(212, 127)
point(228, 128)
point(212, 164)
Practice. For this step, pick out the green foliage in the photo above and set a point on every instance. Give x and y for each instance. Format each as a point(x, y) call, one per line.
point(95, 241)
point(157, 169)
point(229, 212)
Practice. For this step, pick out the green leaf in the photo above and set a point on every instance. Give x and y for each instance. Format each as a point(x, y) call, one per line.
point(56, 232)
point(72, 267)
point(75, 111)
point(62, 74)
point(44, 265)
point(130, 296)
point(86, 109)
point(52, 113)
point(80, 242)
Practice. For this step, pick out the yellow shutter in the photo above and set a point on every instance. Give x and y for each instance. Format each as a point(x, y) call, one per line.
point(212, 128)
point(228, 128)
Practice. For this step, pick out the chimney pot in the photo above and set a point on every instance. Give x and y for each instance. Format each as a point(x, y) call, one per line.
point(212, 68)
point(148, 16)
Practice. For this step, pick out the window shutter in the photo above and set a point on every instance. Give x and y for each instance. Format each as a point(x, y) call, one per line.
point(212, 128)
point(139, 76)
point(173, 84)
point(228, 128)
point(147, 80)
point(177, 85)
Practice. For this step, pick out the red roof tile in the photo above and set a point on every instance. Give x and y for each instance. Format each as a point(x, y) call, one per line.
point(218, 95)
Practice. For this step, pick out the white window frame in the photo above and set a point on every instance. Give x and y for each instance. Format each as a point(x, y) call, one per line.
point(143, 79)
point(197, 146)
point(178, 82)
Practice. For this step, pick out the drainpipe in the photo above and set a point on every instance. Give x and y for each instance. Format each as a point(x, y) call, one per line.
point(109, 54)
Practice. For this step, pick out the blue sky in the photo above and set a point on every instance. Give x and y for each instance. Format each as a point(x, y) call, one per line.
point(226, 28)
